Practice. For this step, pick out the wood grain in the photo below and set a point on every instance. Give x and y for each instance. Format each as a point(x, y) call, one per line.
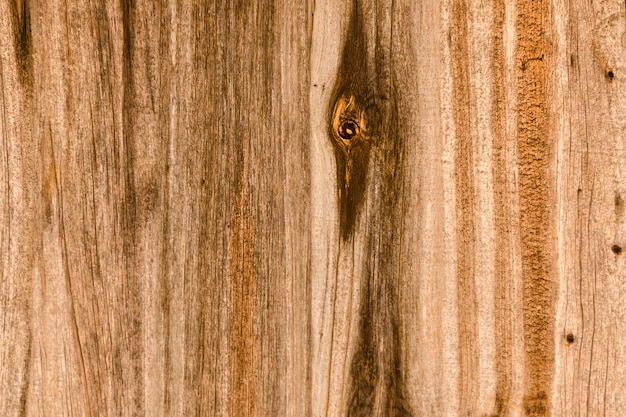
point(325, 208)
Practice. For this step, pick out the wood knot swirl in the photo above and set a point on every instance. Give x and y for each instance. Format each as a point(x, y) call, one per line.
point(348, 124)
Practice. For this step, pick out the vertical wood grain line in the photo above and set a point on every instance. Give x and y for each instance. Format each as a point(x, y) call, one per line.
point(534, 142)
point(242, 363)
point(504, 274)
point(131, 356)
point(465, 218)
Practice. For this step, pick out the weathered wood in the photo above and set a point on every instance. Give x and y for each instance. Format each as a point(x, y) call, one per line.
point(327, 208)
point(168, 213)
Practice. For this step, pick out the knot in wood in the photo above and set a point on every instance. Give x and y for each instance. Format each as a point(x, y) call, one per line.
point(348, 129)
point(348, 123)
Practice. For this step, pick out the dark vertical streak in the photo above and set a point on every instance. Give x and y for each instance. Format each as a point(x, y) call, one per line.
point(131, 308)
point(371, 162)
point(130, 204)
point(166, 284)
point(351, 196)
point(23, 41)
point(365, 370)
point(26, 373)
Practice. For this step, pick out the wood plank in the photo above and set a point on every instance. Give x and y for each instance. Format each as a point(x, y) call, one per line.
point(591, 128)
point(360, 177)
point(329, 208)
point(18, 210)
point(173, 208)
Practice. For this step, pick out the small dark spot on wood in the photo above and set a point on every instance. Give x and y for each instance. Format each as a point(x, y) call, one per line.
point(572, 60)
point(610, 75)
point(617, 249)
point(314, 85)
point(580, 190)
point(570, 338)
point(619, 205)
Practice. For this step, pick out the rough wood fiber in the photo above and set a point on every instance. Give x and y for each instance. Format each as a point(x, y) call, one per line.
point(535, 148)
point(328, 208)
point(168, 213)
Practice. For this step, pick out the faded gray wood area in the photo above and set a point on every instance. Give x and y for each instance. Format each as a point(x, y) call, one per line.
point(317, 208)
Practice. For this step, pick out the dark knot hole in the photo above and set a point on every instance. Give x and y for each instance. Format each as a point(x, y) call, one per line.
point(348, 129)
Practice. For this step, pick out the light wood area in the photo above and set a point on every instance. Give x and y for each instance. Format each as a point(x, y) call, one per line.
point(316, 208)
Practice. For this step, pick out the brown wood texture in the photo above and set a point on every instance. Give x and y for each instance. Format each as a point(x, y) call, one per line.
point(312, 209)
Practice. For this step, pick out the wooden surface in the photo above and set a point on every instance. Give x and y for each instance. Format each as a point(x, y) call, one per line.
point(320, 208)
